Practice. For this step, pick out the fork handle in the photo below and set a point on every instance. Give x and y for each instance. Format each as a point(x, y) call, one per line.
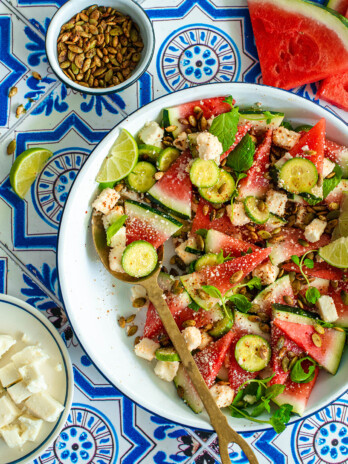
point(225, 433)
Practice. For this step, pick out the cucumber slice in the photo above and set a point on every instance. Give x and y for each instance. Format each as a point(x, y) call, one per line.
point(252, 209)
point(252, 353)
point(221, 191)
point(279, 288)
point(222, 326)
point(166, 158)
point(303, 128)
point(149, 151)
point(298, 175)
point(293, 314)
point(204, 173)
point(274, 222)
point(194, 251)
point(186, 390)
point(167, 354)
point(170, 117)
point(139, 259)
point(141, 179)
point(261, 119)
point(210, 259)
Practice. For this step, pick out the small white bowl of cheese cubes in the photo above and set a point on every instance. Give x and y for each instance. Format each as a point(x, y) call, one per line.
point(36, 382)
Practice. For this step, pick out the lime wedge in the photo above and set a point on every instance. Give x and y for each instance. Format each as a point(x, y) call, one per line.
point(341, 230)
point(121, 159)
point(336, 253)
point(26, 167)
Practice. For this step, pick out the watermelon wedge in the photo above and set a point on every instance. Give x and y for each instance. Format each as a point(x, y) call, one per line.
point(313, 140)
point(146, 223)
point(300, 330)
point(289, 59)
point(174, 189)
point(333, 89)
point(280, 288)
point(255, 183)
point(338, 154)
point(320, 270)
point(341, 6)
point(335, 196)
point(282, 251)
point(202, 221)
point(209, 360)
point(216, 241)
point(297, 394)
point(341, 308)
point(242, 130)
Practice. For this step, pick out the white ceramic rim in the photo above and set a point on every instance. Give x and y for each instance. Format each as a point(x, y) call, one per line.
point(69, 377)
point(205, 91)
point(69, 9)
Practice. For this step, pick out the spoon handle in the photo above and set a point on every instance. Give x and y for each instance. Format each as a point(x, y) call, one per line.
point(225, 433)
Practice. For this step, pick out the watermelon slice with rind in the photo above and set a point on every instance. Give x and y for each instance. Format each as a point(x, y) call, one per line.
point(334, 90)
point(341, 308)
point(341, 6)
point(338, 154)
point(216, 241)
point(298, 42)
point(274, 293)
point(320, 270)
point(335, 196)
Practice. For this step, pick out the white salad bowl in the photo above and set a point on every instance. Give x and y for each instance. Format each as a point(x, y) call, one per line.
point(94, 300)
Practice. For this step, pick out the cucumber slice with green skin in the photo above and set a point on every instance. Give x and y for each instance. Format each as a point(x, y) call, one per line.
point(104, 185)
point(165, 281)
point(204, 173)
point(243, 324)
point(141, 179)
point(170, 117)
point(114, 228)
point(252, 353)
point(251, 206)
point(194, 251)
point(298, 175)
point(219, 194)
point(222, 326)
point(139, 259)
point(186, 390)
point(210, 259)
point(167, 354)
point(261, 119)
point(166, 158)
point(303, 128)
point(279, 288)
point(274, 222)
point(149, 151)
point(293, 314)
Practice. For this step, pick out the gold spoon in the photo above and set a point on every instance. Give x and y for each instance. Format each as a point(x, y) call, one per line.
point(219, 422)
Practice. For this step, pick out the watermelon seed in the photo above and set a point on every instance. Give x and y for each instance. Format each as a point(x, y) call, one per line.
point(316, 340)
point(280, 342)
point(282, 352)
point(122, 322)
point(236, 277)
point(318, 328)
point(285, 364)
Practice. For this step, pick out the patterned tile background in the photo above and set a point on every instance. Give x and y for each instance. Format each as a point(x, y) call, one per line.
point(217, 41)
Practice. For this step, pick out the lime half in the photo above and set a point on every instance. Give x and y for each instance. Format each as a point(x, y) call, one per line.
point(341, 230)
point(336, 253)
point(121, 159)
point(26, 167)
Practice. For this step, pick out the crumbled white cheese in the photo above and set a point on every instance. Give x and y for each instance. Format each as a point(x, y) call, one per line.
point(267, 272)
point(29, 355)
point(209, 147)
point(185, 255)
point(146, 349)
point(13, 435)
point(328, 167)
point(106, 200)
point(8, 411)
point(314, 230)
point(115, 258)
point(210, 121)
point(317, 191)
point(111, 217)
point(31, 427)
point(45, 407)
point(166, 370)
point(237, 214)
point(222, 394)
point(327, 308)
point(33, 378)
point(276, 202)
point(205, 340)
point(192, 337)
point(251, 399)
point(181, 142)
point(151, 134)
point(9, 375)
point(285, 138)
point(19, 392)
point(6, 341)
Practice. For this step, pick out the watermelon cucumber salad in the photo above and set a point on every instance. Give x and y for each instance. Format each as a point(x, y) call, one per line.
point(257, 211)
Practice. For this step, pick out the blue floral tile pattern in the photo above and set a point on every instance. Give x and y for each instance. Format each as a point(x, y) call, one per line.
point(197, 42)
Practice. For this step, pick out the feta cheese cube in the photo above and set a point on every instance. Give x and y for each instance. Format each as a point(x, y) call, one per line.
point(222, 394)
point(328, 167)
point(267, 272)
point(166, 370)
point(327, 308)
point(13, 435)
point(111, 217)
point(185, 255)
point(45, 407)
point(285, 138)
point(192, 337)
point(317, 191)
point(119, 239)
point(205, 340)
point(31, 426)
point(301, 215)
point(181, 142)
point(33, 378)
point(146, 349)
point(9, 375)
point(237, 214)
point(209, 147)
point(6, 341)
point(115, 258)
point(151, 134)
point(29, 355)
point(19, 392)
point(8, 411)
point(276, 202)
point(314, 230)
point(106, 200)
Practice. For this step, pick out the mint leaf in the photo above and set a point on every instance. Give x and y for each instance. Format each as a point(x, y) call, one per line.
point(114, 228)
point(212, 291)
point(309, 263)
point(220, 257)
point(298, 374)
point(274, 390)
point(287, 125)
point(229, 100)
point(330, 184)
point(312, 295)
point(255, 282)
point(281, 417)
point(194, 306)
point(295, 259)
point(242, 157)
point(202, 232)
point(241, 302)
point(224, 127)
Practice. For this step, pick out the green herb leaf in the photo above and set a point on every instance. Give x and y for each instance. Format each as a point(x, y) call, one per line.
point(193, 305)
point(255, 282)
point(224, 127)
point(114, 228)
point(287, 125)
point(269, 116)
point(212, 291)
point(241, 302)
point(309, 263)
point(242, 157)
point(297, 373)
point(281, 417)
point(229, 100)
point(312, 295)
point(330, 184)
point(191, 267)
point(295, 259)
point(202, 232)
point(220, 257)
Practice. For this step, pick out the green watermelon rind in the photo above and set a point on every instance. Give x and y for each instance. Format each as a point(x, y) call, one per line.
point(277, 288)
point(298, 406)
point(242, 323)
point(179, 208)
point(334, 5)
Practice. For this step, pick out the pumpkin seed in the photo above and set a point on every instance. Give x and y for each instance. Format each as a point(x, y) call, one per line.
point(131, 330)
point(288, 300)
point(122, 322)
point(319, 329)
point(20, 110)
point(236, 277)
point(189, 323)
point(280, 342)
point(139, 302)
point(11, 147)
point(316, 339)
point(264, 234)
point(285, 364)
point(130, 319)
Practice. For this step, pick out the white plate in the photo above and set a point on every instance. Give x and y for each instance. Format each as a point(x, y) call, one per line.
point(94, 300)
point(17, 318)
